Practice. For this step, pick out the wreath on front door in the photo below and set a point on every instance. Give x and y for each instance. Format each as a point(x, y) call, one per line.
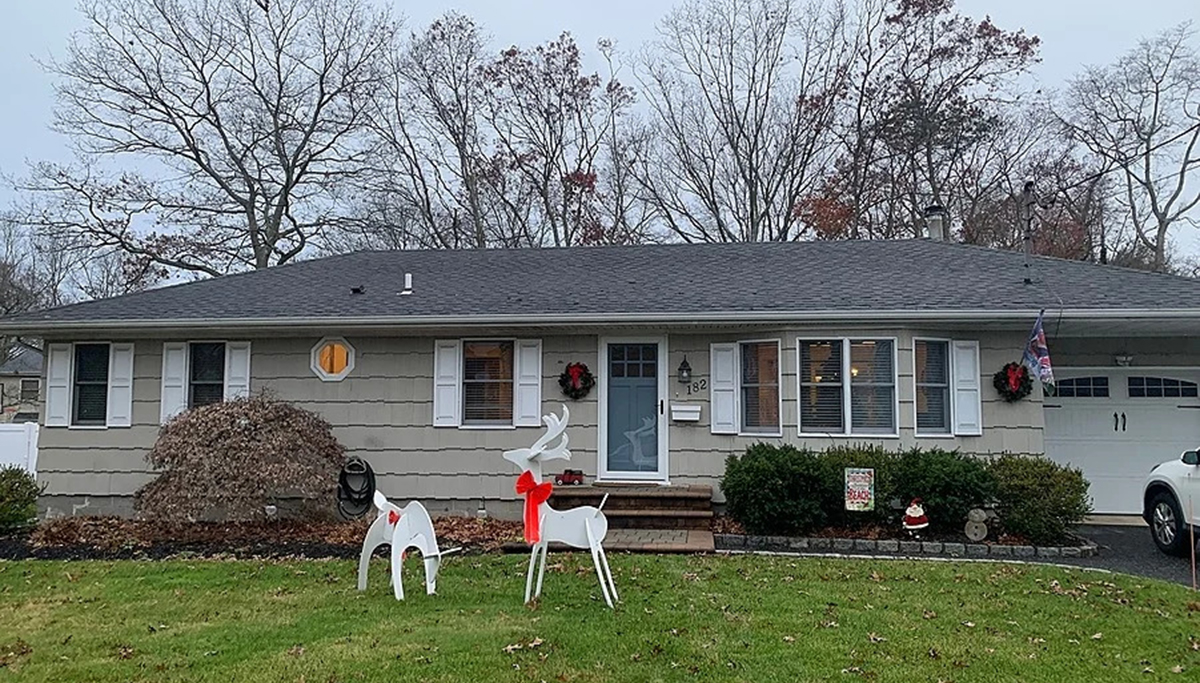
point(1013, 382)
point(576, 381)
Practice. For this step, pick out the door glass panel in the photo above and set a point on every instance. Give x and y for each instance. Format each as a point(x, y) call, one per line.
point(632, 408)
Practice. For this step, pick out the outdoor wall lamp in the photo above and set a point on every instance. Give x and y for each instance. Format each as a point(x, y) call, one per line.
point(685, 372)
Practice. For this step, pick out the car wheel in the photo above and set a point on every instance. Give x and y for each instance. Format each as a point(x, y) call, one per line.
point(1166, 525)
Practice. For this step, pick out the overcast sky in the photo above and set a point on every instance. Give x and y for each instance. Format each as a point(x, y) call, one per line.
point(1073, 32)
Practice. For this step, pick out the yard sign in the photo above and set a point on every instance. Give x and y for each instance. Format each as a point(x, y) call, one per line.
point(860, 489)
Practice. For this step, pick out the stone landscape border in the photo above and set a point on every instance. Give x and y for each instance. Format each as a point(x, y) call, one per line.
point(750, 542)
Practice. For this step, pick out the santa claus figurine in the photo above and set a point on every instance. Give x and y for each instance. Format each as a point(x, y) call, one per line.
point(914, 517)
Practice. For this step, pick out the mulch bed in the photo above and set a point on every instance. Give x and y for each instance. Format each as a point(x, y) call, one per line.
point(115, 538)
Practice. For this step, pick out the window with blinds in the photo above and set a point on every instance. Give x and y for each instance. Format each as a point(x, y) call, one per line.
point(206, 373)
point(760, 387)
point(932, 365)
point(821, 387)
point(487, 383)
point(847, 386)
point(90, 391)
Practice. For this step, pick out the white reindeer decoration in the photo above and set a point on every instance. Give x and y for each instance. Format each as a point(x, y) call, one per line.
point(581, 527)
point(403, 528)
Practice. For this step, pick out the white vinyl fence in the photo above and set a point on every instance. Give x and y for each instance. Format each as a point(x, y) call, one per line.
point(18, 445)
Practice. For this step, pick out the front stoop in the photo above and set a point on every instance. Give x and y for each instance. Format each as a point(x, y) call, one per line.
point(648, 518)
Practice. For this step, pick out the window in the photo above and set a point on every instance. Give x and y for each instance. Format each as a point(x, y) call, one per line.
point(1082, 387)
point(90, 385)
point(760, 387)
point(848, 386)
point(332, 359)
point(821, 387)
point(206, 373)
point(487, 383)
point(1161, 387)
point(872, 387)
point(29, 390)
point(932, 359)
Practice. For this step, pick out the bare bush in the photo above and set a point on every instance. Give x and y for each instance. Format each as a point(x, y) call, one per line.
point(230, 460)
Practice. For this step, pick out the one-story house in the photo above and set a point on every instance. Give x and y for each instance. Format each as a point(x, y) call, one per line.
point(430, 363)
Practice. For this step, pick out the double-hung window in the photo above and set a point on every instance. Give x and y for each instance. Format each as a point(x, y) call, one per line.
point(847, 386)
point(480, 383)
point(88, 384)
point(487, 382)
point(760, 387)
point(30, 388)
point(947, 381)
point(90, 391)
point(206, 373)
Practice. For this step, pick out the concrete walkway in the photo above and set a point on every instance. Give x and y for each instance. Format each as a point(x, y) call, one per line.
point(659, 541)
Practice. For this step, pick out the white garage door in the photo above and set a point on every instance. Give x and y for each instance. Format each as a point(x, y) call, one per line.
point(1117, 424)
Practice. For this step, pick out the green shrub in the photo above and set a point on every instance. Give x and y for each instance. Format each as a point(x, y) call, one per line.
point(1037, 498)
point(948, 482)
point(777, 490)
point(19, 492)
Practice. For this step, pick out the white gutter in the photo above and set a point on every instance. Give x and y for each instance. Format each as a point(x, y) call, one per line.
point(518, 320)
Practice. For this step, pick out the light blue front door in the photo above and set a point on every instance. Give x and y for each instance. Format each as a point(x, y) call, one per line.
point(632, 431)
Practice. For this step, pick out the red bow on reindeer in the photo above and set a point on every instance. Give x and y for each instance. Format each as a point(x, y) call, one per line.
point(535, 494)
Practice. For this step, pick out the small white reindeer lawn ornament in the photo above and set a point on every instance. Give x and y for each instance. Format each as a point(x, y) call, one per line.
point(403, 528)
point(581, 527)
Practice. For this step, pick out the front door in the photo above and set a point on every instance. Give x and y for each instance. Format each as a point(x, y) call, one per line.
point(633, 443)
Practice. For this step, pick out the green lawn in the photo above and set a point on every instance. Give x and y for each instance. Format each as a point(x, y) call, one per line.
point(682, 618)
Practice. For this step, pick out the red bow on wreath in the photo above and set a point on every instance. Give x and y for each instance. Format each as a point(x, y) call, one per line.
point(575, 373)
point(535, 494)
point(1016, 373)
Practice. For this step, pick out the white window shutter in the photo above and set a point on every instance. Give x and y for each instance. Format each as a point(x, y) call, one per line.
point(527, 394)
point(723, 388)
point(968, 409)
point(120, 385)
point(237, 370)
point(174, 380)
point(58, 385)
point(447, 370)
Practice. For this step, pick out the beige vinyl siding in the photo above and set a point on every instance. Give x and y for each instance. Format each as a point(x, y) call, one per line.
point(1098, 352)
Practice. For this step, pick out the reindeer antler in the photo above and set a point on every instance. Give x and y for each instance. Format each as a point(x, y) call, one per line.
point(555, 427)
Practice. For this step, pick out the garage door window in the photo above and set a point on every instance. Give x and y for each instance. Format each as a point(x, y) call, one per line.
point(1083, 387)
point(1161, 387)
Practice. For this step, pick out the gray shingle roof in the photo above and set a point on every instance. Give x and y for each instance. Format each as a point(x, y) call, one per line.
point(669, 280)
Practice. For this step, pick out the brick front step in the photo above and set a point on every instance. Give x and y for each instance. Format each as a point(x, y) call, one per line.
point(659, 519)
point(634, 497)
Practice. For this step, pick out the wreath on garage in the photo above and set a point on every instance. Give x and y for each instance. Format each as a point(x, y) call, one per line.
point(576, 381)
point(1013, 382)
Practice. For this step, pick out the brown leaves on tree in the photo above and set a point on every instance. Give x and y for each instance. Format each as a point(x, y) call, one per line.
point(230, 460)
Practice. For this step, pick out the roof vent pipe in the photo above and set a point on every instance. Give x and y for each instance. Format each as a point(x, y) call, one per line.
point(935, 222)
point(407, 284)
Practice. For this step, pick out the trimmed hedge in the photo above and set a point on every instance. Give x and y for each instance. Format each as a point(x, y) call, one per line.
point(782, 490)
point(1038, 498)
point(19, 492)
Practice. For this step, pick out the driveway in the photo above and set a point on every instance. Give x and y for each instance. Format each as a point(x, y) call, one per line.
point(1129, 549)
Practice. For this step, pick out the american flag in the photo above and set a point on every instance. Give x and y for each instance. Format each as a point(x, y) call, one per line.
point(1037, 356)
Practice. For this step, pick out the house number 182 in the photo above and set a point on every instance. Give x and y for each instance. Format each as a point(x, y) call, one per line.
point(697, 386)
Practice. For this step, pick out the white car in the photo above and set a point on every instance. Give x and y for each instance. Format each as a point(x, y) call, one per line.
point(1171, 498)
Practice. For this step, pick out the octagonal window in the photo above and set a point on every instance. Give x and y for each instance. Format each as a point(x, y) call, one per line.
point(332, 359)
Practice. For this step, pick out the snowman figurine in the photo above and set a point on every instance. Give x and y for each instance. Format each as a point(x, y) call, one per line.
point(914, 518)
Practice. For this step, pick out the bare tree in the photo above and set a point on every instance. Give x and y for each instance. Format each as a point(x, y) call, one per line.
point(213, 135)
point(1141, 115)
point(743, 95)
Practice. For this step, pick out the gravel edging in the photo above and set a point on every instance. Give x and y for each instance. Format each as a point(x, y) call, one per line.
point(803, 544)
